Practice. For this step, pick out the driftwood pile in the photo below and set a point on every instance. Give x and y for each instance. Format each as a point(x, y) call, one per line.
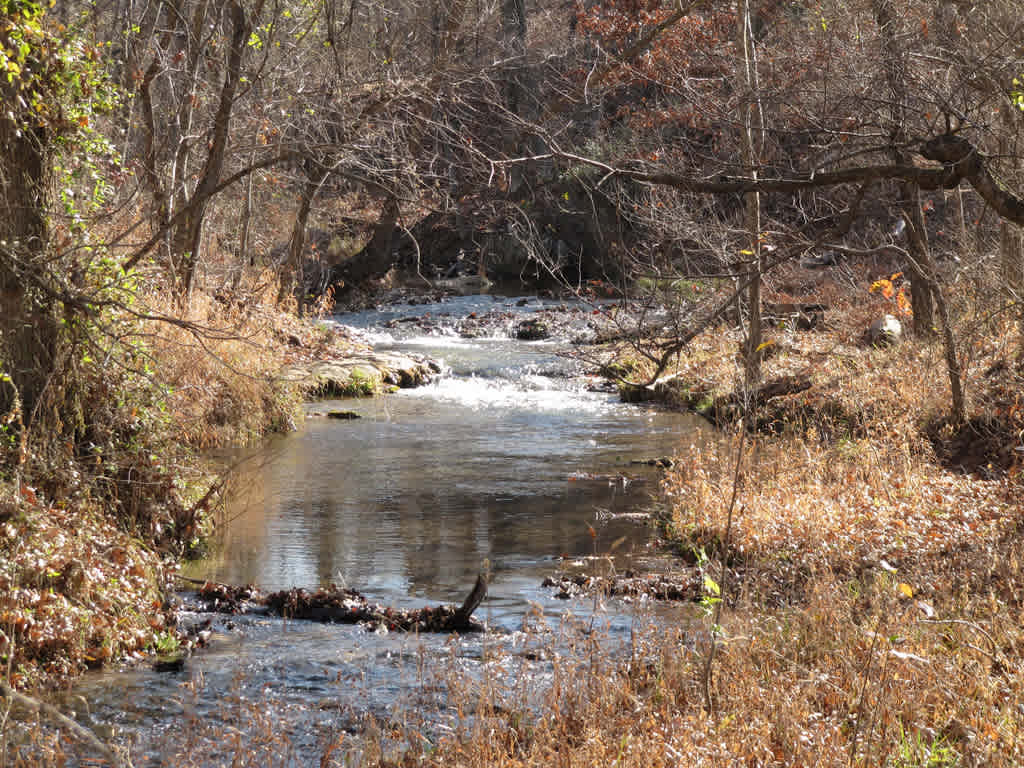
point(628, 584)
point(334, 605)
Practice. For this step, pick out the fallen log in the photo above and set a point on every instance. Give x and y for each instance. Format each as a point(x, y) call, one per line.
point(334, 605)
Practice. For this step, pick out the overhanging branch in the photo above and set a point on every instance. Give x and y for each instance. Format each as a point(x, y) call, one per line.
point(961, 161)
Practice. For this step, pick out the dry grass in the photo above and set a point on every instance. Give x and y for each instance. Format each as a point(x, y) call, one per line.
point(875, 608)
point(84, 533)
point(220, 367)
point(852, 677)
point(877, 614)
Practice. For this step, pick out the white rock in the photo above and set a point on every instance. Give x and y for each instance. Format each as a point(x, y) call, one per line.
point(885, 330)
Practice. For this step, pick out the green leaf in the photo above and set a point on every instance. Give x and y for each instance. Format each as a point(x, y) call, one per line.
point(711, 586)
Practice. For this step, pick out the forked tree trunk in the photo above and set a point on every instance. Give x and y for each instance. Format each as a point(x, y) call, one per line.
point(188, 234)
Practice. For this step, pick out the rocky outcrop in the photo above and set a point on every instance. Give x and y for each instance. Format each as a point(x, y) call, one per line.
point(675, 392)
point(361, 374)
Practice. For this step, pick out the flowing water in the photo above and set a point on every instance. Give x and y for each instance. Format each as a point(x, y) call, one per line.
point(507, 462)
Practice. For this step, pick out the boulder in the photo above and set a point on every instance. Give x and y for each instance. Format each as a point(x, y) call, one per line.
point(885, 331)
point(468, 285)
point(533, 329)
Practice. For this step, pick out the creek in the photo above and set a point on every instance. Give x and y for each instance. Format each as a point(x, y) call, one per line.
point(506, 462)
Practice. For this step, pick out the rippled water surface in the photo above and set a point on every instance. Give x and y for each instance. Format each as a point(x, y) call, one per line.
point(506, 462)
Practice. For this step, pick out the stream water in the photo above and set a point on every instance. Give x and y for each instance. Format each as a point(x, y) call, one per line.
point(506, 462)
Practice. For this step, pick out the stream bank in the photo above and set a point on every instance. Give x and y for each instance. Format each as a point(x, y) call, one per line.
point(510, 460)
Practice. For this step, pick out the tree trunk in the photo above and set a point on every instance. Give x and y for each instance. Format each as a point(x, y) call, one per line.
point(243, 256)
point(957, 401)
point(513, 33)
point(187, 239)
point(292, 278)
point(29, 323)
point(750, 119)
point(375, 259)
point(920, 267)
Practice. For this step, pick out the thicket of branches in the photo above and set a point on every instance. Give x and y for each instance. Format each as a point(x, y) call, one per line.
point(179, 141)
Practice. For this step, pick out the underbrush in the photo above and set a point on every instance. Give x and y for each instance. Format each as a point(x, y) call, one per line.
point(96, 506)
point(858, 674)
point(76, 590)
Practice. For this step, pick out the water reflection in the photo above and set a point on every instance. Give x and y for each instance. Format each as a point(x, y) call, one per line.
point(411, 499)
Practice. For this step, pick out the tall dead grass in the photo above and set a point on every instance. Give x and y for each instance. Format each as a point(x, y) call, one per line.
point(878, 615)
point(219, 363)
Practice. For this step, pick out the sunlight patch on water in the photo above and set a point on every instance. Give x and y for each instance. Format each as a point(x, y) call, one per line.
point(442, 342)
point(532, 393)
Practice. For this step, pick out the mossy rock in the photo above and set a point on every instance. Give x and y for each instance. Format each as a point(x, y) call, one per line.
point(635, 393)
point(619, 369)
point(362, 375)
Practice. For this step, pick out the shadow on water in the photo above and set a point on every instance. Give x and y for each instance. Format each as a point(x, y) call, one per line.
point(495, 463)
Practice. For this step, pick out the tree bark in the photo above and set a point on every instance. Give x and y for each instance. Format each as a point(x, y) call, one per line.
point(187, 238)
point(750, 114)
point(244, 256)
point(920, 266)
point(375, 258)
point(958, 405)
point(29, 324)
point(292, 277)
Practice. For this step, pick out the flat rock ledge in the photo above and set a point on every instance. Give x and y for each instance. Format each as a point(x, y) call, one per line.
point(361, 374)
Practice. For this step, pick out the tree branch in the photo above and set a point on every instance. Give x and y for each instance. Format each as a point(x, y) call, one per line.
point(960, 160)
point(63, 721)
